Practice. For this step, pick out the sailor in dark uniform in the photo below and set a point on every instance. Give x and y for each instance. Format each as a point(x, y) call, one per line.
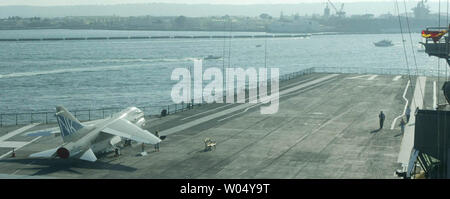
point(382, 117)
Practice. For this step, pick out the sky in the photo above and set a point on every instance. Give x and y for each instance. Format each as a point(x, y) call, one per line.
point(197, 8)
point(109, 2)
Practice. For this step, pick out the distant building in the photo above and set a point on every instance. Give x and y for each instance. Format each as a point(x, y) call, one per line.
point(295, 26)
point(326, 11)
point(386, 16)
point(364, 16)
point(421, 11)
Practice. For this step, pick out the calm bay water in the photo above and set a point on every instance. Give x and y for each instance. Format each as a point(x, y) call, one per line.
point(36, 76)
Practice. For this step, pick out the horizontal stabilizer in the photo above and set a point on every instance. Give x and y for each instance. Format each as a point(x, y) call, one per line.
point(89, 156)
point(45, 154)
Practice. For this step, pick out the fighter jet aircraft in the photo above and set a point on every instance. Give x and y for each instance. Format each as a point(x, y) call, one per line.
point(83, 141)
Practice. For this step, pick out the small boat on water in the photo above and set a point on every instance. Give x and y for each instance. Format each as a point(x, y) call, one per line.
point(209, 57)
point(384, 43)
point(259, 45)
point(420, 48)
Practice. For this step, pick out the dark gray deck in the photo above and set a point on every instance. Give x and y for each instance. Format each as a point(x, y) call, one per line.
point(325, 130)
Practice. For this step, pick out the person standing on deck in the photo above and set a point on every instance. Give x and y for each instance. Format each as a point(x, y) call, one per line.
point(402, 125)
point(157, 144)
point(408, 114)
point(382, 117)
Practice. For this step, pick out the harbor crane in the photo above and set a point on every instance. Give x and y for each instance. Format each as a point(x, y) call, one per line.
point(339, 13)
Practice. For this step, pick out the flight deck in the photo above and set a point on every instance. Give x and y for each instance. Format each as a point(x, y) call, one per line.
point(326, 127)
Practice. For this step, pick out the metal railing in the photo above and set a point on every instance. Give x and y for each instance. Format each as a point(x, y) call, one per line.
point(46, 117)
point(380, 71)
point(289, 76)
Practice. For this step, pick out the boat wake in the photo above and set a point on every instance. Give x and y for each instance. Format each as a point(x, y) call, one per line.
point(70, 70)
point(92, 69)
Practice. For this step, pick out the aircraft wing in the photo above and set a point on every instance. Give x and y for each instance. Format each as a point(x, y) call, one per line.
point(123, 128)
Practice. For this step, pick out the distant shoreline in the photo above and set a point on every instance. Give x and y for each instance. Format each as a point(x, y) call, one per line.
point(202, 31)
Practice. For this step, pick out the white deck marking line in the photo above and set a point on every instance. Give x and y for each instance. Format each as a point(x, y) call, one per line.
point(404, 109)
point(434, 96)
point(206, 111)
point(238, 113)
point(358, 77)
point(233, 104)
point(396, 78)
point(408, 137)
point(6, 154)
point(239, 107)
point(287, 94)
point(372, 77)
point(18, 131)
point(11, 144)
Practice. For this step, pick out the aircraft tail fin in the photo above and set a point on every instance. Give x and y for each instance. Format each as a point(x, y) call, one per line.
point(68, 124)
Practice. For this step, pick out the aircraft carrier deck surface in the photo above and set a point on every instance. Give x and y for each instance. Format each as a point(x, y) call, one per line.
point(326, 127)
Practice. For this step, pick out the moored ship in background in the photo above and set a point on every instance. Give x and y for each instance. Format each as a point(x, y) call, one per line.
point(384, 43)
